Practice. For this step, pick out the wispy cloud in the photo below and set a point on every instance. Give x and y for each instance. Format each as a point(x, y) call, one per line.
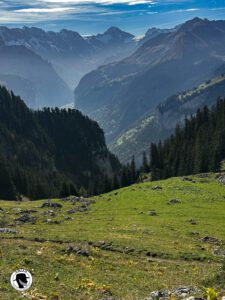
point(103, 12)
point(46, 10)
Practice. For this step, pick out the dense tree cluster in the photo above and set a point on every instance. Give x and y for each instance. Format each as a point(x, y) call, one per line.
point(51, 152)
point(197, 147)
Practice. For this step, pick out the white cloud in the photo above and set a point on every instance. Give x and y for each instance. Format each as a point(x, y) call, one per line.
point(106, 2)
point(46, 10)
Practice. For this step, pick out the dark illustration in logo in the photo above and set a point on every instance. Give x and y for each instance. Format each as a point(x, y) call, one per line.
point(21, 280)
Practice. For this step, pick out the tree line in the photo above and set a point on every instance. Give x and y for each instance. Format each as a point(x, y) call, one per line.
point(197, 147)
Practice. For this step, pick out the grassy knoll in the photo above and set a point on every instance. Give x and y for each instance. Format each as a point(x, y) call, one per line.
point(128, 243)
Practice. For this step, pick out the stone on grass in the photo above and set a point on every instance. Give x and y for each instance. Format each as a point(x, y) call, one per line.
point(7, 230)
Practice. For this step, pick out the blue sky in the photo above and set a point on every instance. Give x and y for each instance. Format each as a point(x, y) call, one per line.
point(92, 16)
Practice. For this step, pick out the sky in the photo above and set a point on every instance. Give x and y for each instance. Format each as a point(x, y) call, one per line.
point(95, 16)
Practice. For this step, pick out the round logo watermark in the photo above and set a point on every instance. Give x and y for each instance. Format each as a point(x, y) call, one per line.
point(21, 280)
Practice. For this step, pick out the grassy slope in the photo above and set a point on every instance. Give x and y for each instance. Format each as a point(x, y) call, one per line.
point(150, 252)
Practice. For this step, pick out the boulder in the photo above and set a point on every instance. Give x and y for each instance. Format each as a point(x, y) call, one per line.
point(152, 213)
point(173, 201)
point(51, 204)
point(26, 218)
point(180, 292)
point(156, 187)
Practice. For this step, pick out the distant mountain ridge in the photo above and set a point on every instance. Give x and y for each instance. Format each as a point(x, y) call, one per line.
point(32, 77)
point(118, 94)
point(71, 54)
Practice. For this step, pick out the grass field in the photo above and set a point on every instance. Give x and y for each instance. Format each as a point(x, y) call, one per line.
point(127, 244)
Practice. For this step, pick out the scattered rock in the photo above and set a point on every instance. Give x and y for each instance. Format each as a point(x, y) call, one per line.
point(26, 211)
point(74, 200)
point(211, 240)
point(7, 230)
point(152, 213)
point(67, 218)
point(77, 251)
point(193, 222)
point(173, 201)
point(1, 210)
point(81, 208)
point(203, 175)
point(221, 179)
point(219, 252)
point(26, 218)
point(180, 292)
point(189, 179)
point(103, 245)
point(194, 298)
point(156, 187)
point(51, 204)
point(50, 221)
point(194, 233)
point(49, 212)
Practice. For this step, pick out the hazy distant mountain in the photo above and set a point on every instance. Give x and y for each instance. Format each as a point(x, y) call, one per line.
point(71, 54)
point(162, 122)
point(28, 75)
point(118, 94)
point(23, 87)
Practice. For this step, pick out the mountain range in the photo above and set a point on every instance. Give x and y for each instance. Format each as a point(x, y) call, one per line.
point(65, 57)
point(70, 55)
point(128, 78)
point(119, 94)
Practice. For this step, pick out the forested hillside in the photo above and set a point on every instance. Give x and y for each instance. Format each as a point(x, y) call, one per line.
point(51, 152)
point(198, 147)
point(160, 124)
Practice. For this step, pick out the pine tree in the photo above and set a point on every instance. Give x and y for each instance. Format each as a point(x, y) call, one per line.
point(133, 173)
point(7, 188)
point(145, 166)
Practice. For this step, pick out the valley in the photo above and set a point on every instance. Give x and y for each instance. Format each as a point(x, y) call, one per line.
point(112, 159)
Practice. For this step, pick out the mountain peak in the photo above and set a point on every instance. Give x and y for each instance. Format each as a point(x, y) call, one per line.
point(115, 31)
point(189, 25)
point(112, 30)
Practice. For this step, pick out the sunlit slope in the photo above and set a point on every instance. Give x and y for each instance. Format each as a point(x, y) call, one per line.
point(125, 244)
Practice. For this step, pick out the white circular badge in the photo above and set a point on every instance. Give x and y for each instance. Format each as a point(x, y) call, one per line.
point(21, 280)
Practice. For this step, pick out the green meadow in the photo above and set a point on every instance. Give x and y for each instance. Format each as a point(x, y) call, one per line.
point(128, 243)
